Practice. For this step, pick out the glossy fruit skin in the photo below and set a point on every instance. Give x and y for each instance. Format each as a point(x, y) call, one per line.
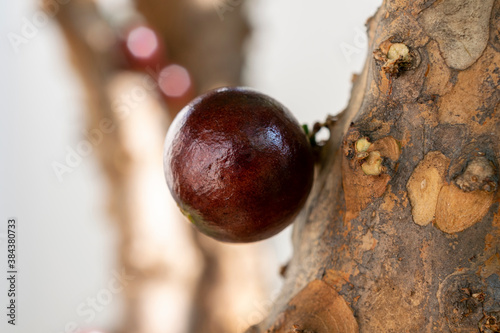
point(238, 164)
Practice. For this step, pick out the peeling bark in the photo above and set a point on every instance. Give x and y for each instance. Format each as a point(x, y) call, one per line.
point(414, 245)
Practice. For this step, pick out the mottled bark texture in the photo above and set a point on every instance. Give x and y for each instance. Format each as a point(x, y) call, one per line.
point(401, 231)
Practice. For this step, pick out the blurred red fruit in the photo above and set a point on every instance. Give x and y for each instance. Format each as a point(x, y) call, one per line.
point(176, 86)
point(144, 48)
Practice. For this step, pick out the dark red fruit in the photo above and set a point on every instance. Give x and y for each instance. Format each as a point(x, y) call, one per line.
point(238, 164)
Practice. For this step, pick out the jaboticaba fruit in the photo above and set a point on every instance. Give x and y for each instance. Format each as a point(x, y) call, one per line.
point(238, 164)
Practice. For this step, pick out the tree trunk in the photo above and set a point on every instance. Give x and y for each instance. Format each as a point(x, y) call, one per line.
point(401, 231)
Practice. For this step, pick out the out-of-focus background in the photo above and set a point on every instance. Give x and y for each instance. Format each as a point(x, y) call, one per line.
point(100, 243)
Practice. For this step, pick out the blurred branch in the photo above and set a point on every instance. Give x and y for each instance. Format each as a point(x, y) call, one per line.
point(207, 40)
point(206, 36)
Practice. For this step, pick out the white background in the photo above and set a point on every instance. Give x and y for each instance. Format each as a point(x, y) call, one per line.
point(302, 53)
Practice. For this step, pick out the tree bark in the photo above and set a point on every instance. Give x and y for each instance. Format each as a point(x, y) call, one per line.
point(401, 231)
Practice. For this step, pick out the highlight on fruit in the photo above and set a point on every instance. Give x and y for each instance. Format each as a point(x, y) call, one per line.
point(238, 164)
